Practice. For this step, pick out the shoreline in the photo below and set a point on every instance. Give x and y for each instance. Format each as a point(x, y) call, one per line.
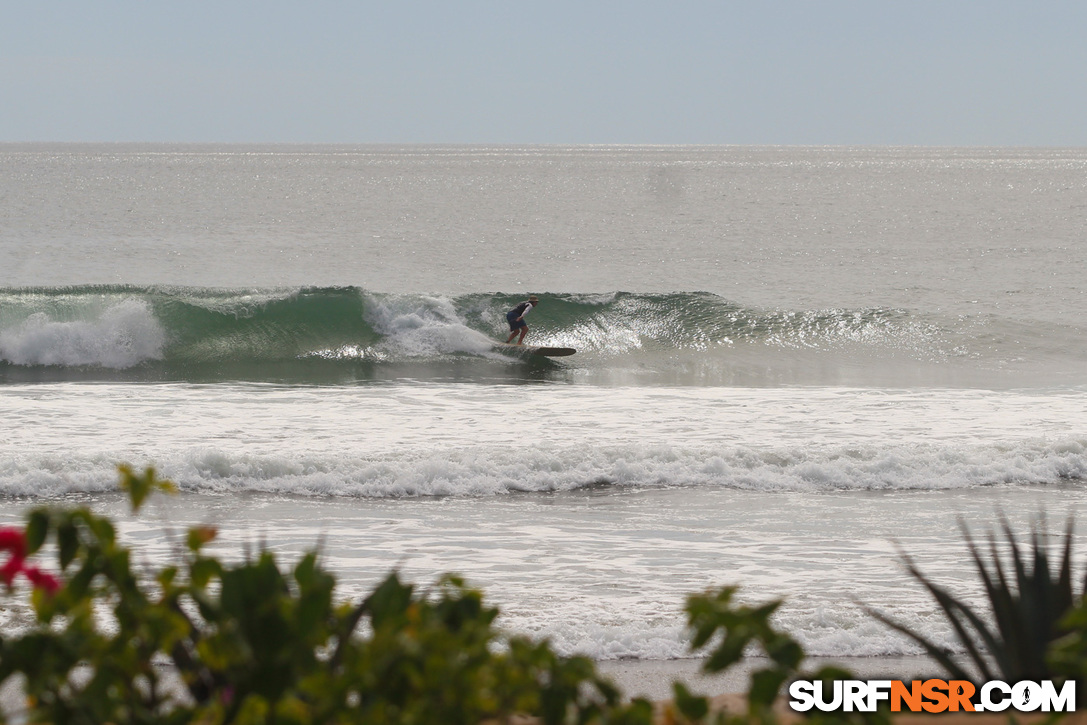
point(652, 679)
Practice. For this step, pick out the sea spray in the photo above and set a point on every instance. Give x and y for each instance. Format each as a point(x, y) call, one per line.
point(121, 335)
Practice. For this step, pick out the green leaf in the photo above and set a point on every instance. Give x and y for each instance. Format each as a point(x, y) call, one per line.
point(166, 577)
point(198, 536)
point(765, 686)
point(389, 601)
point(37, 528)
point(203, 571)
point(690, 706)
point(139, 487)
point(67, 543)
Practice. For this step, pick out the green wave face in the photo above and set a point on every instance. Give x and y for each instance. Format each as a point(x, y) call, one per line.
point(205, 326)
point(622, 322)
point(338, 334)
point(162, 332)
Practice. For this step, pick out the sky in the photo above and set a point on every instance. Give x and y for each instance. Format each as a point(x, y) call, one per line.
point(913, 72)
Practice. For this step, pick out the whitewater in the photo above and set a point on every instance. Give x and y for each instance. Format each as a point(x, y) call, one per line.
point(793, 363)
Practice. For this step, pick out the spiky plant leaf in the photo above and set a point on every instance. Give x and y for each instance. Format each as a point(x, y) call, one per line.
point(1027, 601)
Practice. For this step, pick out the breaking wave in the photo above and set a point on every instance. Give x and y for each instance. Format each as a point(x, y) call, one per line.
point(485, 472)
point(338, 333)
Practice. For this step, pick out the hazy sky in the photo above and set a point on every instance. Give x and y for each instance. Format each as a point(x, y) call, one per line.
point(959, 72)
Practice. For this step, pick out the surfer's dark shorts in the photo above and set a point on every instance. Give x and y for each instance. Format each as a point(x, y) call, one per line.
point(515, 324)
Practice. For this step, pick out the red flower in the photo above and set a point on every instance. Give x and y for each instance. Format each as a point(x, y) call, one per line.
point(41, 580)
point(14, 540)
point(10, 569)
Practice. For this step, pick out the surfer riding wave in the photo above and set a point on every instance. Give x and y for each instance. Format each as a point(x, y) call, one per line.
point(516, 318)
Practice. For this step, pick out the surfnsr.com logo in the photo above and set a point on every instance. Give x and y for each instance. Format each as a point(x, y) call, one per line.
point(932, 696)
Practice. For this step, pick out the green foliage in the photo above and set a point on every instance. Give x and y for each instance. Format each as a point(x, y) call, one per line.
point(252, 644)
point(740, 626)
point(139, 487)
point(1068, 655)
point(1028, 602)
point(731, 629)
point(212, 642)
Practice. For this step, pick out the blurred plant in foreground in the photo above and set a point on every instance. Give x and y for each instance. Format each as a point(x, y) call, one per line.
point(1030, 606)
point(210, 642)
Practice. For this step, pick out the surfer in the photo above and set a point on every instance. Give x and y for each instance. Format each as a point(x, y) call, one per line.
point(516, 318)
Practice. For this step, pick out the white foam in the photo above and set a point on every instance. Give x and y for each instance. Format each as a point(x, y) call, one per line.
point(121, 336)
point(792, 493)
point(421, 327)
point(425, 440)
point(477, 471)
point(602, 573)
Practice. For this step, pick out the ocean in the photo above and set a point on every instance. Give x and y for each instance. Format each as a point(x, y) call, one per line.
point(794, 363)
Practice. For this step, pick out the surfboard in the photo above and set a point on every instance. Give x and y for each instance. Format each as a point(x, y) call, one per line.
point(539, 350)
